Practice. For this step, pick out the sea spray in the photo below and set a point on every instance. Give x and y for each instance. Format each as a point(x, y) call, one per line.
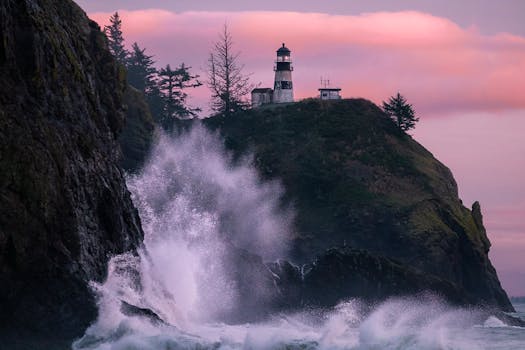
point(205, 220)
point(195, 173)
point(205, 217)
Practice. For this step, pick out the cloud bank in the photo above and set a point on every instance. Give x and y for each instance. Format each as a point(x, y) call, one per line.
point(440, 66)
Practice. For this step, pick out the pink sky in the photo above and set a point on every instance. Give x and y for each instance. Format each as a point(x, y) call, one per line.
point(467, 86)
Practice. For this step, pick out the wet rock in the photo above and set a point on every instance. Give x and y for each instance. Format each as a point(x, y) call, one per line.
point(288, 283)
point(344, 273)
point(64, 203)
point(132, 310)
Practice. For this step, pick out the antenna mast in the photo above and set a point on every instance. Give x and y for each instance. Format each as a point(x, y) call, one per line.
point(325, 83)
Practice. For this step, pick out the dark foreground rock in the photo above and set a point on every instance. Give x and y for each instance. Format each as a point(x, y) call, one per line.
point(64, 204)
point(136, 138)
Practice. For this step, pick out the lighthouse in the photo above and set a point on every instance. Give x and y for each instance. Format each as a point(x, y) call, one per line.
point(283, 87)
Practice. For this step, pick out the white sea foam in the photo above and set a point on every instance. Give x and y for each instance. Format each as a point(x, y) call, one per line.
point(493, 321)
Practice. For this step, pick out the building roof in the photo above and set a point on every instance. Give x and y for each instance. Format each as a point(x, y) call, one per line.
point(262, 90)
point(283, 50)
point(329, 89)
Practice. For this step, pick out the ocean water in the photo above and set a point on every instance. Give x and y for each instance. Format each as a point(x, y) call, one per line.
point(195, 204)
point(395, 324)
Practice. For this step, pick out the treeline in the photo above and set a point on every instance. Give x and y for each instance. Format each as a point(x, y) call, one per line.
point(164, 88)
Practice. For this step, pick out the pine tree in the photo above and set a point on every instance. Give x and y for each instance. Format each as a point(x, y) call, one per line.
point(116, 39)
point(401, 112)
point(172, 84)
point(141, 73)
point(228, 84)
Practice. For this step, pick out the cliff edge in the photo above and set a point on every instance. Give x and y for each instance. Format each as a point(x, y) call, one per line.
point(64, 204)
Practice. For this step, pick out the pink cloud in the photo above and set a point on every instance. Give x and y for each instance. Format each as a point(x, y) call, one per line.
point(437, 64)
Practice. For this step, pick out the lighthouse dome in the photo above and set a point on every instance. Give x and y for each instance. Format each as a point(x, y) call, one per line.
point(283, 51)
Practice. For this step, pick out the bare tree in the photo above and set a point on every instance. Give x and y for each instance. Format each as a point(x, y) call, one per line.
point(226, 80)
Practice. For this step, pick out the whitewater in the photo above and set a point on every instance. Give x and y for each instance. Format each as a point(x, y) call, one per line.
point(182, 289)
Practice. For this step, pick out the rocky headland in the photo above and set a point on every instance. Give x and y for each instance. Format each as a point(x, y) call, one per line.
point(377, 214)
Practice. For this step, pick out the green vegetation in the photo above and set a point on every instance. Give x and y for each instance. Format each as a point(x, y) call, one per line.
point(354, 178)
point(401, 112)
point(172, 84)
point(141, 72)
point(116, 39)
point(343, 164)
point(164, 89)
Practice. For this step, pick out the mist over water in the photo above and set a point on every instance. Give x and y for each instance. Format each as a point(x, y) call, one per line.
point(183, 289)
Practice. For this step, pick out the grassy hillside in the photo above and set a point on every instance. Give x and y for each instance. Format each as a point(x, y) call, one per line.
point(357, 180)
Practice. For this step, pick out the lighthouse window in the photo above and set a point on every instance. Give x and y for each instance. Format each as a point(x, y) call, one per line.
point(286, 84)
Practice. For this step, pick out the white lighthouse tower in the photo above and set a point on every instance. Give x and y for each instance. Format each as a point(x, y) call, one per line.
point(283, 88)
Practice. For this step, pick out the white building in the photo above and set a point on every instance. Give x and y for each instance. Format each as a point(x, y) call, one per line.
point(327, 93)
point(261, 96)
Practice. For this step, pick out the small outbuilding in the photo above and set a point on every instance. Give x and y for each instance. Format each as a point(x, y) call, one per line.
point(261, 96)
point(327, 93)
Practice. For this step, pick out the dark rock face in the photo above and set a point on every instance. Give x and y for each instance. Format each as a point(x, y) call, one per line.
point(64, 204)
point(339, 274)
point(356, 180)
point(344, 273)
point(136, 138)
point(349, 273)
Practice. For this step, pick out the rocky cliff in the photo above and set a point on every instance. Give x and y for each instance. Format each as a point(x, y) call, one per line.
point(64, 204)
point(357, 181)
point(137, 135)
